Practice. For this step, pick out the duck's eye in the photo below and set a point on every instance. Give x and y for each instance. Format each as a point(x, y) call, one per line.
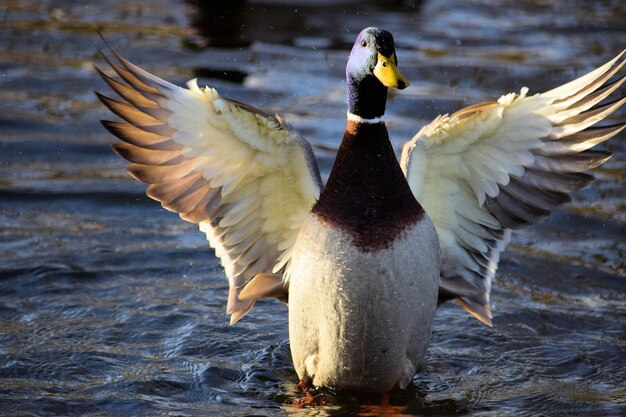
point(363, 43)
point(384, 64)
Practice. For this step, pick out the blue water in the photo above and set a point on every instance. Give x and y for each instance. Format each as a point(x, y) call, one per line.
point(110, 305)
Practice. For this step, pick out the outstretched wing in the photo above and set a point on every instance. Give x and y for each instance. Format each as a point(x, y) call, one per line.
point(503, 165)
point(238, 172)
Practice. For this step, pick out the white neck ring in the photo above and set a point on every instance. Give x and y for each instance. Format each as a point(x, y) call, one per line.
point(358, 119)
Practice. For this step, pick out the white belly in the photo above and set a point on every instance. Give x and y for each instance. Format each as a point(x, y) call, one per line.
point(361, 320)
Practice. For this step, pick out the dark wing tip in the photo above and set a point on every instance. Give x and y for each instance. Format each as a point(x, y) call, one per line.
point(101, 97)
point(482, 312)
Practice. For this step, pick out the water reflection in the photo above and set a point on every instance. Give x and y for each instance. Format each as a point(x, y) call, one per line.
point(219, 24)
point(410, 402)
point(236, 24)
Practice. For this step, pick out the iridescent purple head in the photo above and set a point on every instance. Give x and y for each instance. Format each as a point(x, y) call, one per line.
point(371, 69)
point(374, 54)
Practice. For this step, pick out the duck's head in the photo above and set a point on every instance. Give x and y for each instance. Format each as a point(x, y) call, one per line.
point(371, 69)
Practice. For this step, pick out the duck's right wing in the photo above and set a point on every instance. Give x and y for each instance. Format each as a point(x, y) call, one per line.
point(498, 166)
point(239, 173)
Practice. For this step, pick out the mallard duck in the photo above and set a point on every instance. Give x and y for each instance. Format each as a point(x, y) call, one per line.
point(363, 262)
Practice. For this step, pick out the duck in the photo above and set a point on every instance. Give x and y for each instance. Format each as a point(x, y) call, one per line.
point(364, 261)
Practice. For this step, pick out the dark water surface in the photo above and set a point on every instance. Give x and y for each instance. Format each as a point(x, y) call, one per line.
point(110, 305)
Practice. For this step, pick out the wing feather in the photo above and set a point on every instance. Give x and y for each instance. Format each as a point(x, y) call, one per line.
point(149, 137)
point(236, 171)
point(494, 167)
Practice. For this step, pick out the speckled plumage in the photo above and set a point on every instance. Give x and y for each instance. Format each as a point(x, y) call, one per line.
point(361, 319)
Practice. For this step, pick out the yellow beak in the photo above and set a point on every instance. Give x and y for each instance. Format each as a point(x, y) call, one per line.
point(388, 74)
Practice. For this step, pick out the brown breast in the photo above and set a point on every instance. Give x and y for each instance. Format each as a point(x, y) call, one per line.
point(367, 194)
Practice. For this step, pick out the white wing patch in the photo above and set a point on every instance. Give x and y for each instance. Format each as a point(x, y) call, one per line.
point(236, 171)
point(502, 165)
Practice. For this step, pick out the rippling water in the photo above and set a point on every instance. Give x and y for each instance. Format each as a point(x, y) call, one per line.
point(110, 305)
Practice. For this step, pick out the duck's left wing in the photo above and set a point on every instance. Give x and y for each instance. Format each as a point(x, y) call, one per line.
point(498, 166)
point(239, 173)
